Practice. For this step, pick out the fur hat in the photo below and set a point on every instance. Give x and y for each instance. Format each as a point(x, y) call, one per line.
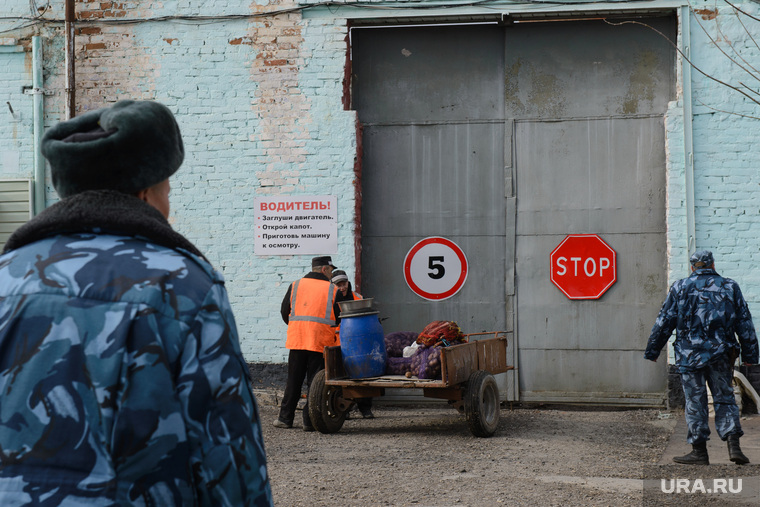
point(127, 147)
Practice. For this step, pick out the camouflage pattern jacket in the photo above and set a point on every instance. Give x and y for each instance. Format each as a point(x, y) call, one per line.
point(707, 312)
point(121, 374)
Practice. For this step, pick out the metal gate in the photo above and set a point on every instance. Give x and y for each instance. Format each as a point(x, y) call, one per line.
point(504, 139)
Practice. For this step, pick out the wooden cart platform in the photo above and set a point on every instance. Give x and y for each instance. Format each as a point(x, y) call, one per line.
point(466, 382)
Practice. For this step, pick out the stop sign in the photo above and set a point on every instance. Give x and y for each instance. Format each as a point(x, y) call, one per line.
point(583, 266)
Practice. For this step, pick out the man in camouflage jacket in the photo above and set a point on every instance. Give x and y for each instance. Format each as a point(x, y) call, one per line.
point(707, 312)
point(121, 373)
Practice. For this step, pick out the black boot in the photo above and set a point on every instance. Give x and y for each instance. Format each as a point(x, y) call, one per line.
point(697, 456)
point(735, 451)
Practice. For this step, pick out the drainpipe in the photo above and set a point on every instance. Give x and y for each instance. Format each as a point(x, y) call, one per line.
point(38, 93)
point(688, 142)
point(688, 138)
point(69, 42)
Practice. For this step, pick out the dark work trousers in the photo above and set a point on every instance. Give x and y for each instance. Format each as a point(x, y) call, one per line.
point(719, 376)
point(364, 404)
point(301, 364)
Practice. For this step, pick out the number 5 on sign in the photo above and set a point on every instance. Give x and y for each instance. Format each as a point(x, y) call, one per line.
point(435, 268)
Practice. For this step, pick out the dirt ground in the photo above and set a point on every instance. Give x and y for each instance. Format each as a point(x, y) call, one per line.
point(424, 455)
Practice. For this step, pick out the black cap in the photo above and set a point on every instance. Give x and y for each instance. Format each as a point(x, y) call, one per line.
point(324, 260)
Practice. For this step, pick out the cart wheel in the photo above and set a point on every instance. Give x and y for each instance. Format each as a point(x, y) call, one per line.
point(324, 410)
point(481, 404)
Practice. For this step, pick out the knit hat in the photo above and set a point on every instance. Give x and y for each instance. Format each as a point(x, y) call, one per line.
point(127, 147)
point(339, 276)
point(702, 259)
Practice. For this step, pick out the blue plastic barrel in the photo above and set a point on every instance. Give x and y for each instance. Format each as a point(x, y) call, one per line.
point(362, 346)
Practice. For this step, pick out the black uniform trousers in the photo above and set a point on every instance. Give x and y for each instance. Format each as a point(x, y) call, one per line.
point(301, 364)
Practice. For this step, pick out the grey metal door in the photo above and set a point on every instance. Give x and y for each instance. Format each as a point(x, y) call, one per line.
point(578, 107)
point(589, 100)
point(431, 103)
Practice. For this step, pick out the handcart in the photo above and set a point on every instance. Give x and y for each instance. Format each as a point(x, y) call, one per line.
point(466, 381)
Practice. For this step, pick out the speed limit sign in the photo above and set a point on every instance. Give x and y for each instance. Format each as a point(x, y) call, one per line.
point(435, 268)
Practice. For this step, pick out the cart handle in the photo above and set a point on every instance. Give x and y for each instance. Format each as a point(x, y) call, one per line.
point(494, 333)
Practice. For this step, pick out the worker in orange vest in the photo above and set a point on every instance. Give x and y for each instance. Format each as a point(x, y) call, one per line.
point(310, 309)
point(340, 280)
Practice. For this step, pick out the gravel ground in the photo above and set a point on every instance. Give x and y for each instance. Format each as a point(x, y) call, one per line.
point(424, 455)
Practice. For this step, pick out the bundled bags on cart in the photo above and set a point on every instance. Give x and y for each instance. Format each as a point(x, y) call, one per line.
point(397, 363)
point(440, 331)
point(430, 362)
point(423, 349)
point(395, 343)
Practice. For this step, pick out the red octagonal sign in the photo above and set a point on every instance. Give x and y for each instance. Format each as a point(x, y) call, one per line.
point(583, 266)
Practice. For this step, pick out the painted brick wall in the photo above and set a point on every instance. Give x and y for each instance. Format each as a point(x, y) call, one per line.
point(261, 115)
point(259, 98)
point(677, 240)
point(259, 103)
point(726, 171)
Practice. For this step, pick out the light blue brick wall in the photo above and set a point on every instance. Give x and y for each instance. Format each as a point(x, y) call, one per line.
point(677, 240)
point(253, 129)
point(726, 169)
point(259, 102)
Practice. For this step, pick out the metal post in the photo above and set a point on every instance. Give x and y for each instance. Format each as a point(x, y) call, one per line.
point(69, 58)
point(688, 138)
point(38, 120)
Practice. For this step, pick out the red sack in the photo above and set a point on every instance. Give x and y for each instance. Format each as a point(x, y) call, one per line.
point(440, 330)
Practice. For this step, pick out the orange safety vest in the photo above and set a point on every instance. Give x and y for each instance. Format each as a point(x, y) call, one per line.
point(337, 329)
point(311, 323)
